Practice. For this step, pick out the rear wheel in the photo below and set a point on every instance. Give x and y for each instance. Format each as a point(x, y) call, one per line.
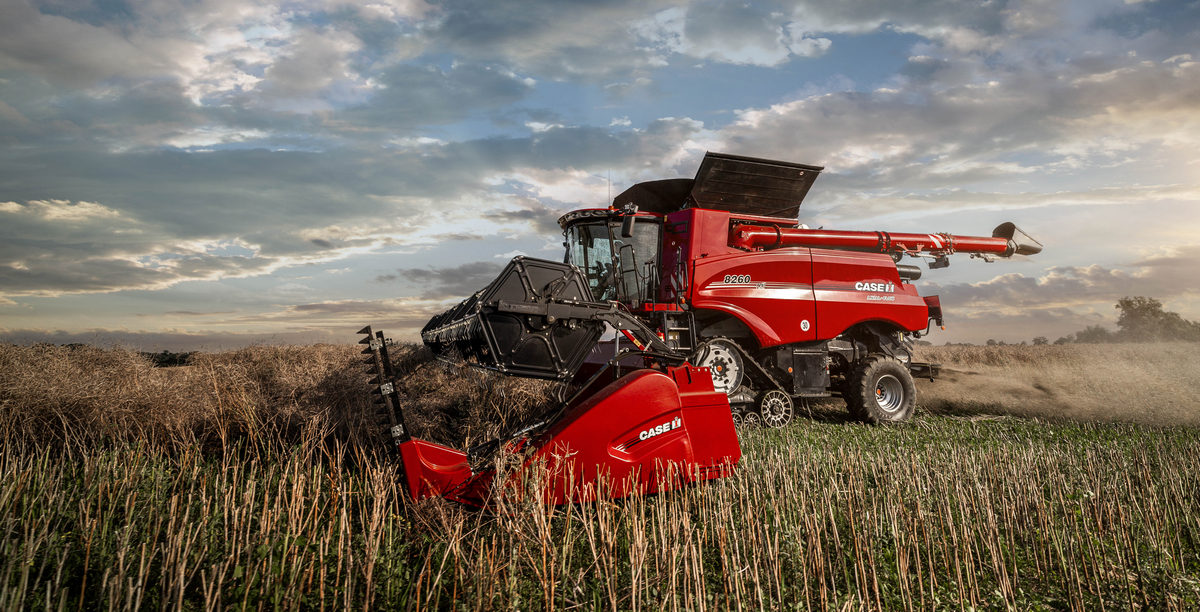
point(881, 390)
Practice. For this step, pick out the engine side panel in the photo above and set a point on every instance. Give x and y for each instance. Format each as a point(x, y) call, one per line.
point(783, 295)
point(694, 234)
point(771, 292)
point(852, 288)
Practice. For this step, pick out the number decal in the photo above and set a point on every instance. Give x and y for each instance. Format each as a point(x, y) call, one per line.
point(737, 278)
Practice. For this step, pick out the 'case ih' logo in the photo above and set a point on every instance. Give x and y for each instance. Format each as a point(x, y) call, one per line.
point(881, 287)
point(659, 430)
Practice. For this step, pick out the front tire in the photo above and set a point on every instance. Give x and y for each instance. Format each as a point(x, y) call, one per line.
point(881, 390)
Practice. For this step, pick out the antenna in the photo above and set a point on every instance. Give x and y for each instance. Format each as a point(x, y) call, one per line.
point(608, 183)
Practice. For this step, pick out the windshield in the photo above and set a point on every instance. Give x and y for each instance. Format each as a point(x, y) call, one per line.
point(617, 268)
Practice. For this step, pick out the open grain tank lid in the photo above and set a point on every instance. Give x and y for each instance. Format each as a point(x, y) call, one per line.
point(743, 185)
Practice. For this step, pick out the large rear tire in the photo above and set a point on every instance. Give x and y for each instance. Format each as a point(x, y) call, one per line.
point(881, 390)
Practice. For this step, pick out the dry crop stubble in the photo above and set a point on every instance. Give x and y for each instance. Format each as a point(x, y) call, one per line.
point(252, 478)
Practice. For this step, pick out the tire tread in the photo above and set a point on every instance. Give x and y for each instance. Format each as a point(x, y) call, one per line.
point(860, 390)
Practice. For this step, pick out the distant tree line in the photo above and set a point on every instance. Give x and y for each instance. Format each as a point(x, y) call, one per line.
point(1142, 319)
point(164, 359)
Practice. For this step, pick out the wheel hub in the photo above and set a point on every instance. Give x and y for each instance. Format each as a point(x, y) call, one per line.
point(723, 359)
point(750, 420)
point(776, 408)
point(889, 393)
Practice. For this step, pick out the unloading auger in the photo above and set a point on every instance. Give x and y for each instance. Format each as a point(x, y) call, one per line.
point(728, 310)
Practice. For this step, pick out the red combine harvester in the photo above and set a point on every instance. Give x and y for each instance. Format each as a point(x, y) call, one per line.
point(728, 311)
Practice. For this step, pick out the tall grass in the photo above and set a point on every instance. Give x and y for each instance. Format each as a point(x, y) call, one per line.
point(944, 513)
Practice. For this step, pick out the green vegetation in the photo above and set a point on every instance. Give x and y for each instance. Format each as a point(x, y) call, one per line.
point(124, 485)
point(1142, 319)
point(167, 359)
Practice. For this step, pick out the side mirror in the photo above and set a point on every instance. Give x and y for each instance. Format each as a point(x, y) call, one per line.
point(627, 220)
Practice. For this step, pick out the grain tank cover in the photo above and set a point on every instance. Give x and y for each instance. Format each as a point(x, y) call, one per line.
point(741, 185)
point(752, 186)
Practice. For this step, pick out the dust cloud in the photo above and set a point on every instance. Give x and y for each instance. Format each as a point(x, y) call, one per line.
point(1142, 383)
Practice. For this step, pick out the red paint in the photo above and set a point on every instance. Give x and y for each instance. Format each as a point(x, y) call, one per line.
point(771, 292)
point(599, 448)
point(776, 291)
point(752, 236)
point(840, 305)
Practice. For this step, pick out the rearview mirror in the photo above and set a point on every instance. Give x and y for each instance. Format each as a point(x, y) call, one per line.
point(627, 220)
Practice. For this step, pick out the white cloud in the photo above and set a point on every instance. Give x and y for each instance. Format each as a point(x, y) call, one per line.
point(59, 210)
point(994, 121)
point(1165, 275)
point(68, 50)
point(801, 44)
point(538, 126)
point(314, 62)
point(312, 131)
point(564, 185)
point(393, 10)
point(208, 136)
point(728, 32)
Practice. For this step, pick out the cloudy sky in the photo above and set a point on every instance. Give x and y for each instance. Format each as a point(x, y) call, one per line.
point(181, 174)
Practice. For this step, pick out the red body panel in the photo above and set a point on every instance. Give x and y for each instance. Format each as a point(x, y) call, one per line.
point(770, 292)
point(691, 235)
point(645, 432)
point(433, 470)
point(853, 288)
point(783, 295)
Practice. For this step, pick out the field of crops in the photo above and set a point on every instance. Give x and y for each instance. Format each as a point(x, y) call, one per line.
point(252, 479)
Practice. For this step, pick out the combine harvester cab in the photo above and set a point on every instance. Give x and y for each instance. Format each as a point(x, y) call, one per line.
point(729, 311)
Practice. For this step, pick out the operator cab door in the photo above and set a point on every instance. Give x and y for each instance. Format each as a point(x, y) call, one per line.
point(620, 268)
point(771, 292)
